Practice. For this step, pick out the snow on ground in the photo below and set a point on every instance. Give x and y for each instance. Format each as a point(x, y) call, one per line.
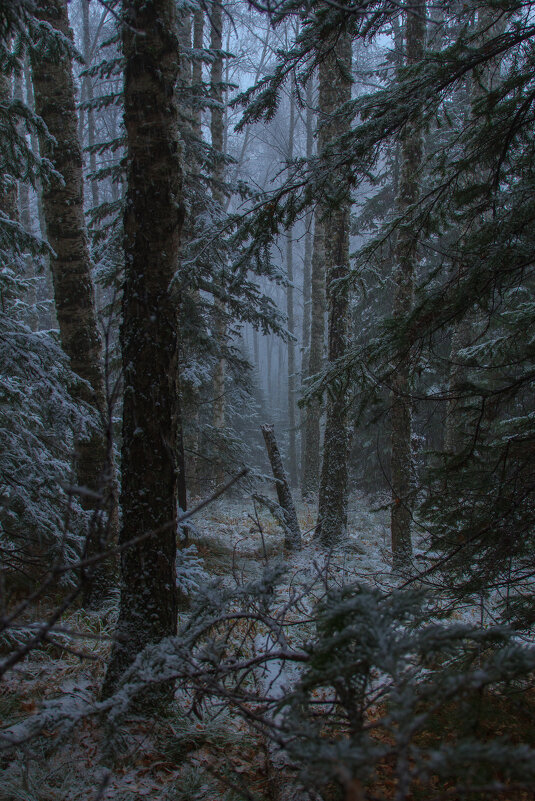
point(175, 758)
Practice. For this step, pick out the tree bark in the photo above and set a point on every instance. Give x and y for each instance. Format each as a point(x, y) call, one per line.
point(307, 296)
point(312, 433)
point(63, 206)
point(406, 262)
point(292, 444)
point(153, 220)
point(335, 89)
point(292, 539)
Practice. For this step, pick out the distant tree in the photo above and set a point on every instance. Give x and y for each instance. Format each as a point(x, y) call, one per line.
point(88, 96)
point(217, 129)
point(307, 282)
point(406, 255)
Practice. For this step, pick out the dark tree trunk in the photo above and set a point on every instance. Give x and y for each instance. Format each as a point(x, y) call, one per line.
point(153, 221)
point(335, 89)
point(292, 418)
point(73, 285)
point(312, 433)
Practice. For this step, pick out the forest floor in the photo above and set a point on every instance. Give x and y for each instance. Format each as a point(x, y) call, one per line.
point(179, 756)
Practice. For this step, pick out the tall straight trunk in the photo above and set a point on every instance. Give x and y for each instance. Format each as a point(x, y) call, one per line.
point(292, 444)
point(312, 433)
point(256, 349)
point(184, 30)
point(269, 360)
point(152, 222)
point(406, 262)
point(63, 206)
point(217, 132)
point(281, 385)
point(89, 97)
point(307, 279)
point(335, 90)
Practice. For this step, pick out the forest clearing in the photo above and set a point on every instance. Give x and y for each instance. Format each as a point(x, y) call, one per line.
point(267, 419)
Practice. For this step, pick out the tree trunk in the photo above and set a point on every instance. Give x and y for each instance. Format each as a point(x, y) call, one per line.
point(335, 89)
point(152, 222)
point(406, 262)
point(307, 295)
point(312, 433)
point(63, 207)
point(292, 531)
point(292, 445)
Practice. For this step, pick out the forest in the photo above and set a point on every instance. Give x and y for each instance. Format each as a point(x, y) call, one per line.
point(267, 403)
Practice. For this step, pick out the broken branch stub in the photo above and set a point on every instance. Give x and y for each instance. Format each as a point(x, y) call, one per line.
point(292, 532)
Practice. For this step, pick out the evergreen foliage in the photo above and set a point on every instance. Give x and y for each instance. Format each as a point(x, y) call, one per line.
point(39, 519)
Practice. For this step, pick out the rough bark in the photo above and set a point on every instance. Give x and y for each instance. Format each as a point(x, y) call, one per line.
point(406, 257)
point(312, 433)
point(307, 292)
point(335, 89)
point(217, 132)
point(292, 417)
point(152, 223)
point(63, 208)
point(292, 539)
